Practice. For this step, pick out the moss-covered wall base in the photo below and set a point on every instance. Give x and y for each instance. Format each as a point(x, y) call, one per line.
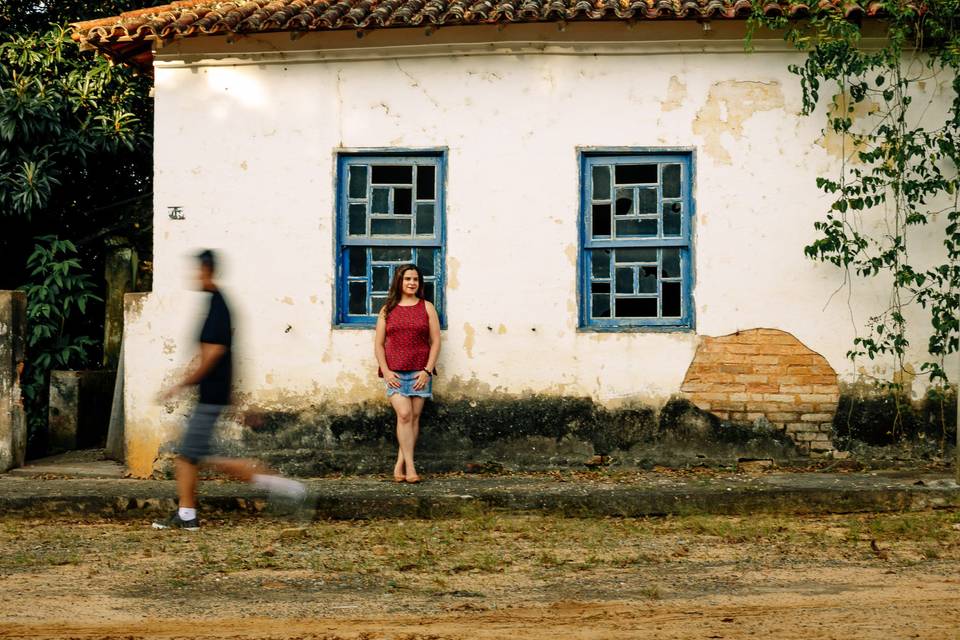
point(531, 433)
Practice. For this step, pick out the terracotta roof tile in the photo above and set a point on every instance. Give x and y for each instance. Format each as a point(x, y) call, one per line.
point(128, 37)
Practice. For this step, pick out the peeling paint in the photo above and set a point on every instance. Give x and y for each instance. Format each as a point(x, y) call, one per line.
point(729, 105)
point(676, 94)
point(571, 251)
point(169, 346)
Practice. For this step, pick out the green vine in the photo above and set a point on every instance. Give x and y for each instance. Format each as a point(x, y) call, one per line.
point(899, 161)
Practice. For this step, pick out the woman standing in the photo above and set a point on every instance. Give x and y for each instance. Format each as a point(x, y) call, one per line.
point(406, 345)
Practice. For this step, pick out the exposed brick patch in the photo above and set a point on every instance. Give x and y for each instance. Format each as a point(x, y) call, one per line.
point(766, 372)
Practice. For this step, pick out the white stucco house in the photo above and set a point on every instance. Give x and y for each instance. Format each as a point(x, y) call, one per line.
point(596, 189)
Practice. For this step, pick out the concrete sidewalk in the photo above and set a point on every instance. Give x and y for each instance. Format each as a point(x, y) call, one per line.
point(615, 494)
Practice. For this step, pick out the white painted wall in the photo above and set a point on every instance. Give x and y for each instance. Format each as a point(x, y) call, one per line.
point(248, 151)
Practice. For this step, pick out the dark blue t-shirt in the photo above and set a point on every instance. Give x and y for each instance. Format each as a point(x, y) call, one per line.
point(215, 386)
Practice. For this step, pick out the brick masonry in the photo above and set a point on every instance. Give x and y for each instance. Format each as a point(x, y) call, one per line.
point(766, 373)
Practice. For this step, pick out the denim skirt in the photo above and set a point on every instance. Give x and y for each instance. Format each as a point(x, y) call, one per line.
point(407, 380)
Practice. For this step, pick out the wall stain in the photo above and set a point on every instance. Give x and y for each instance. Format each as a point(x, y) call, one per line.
point(571, 252)
point(837, 144)
point(453, 272)
point(287, 300)
point(169, 346)
point(676, 94)
point(729, 105)
point(469, 336)
point(501, 330)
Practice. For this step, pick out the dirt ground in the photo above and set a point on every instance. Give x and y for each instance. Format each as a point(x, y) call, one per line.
point(486, 575)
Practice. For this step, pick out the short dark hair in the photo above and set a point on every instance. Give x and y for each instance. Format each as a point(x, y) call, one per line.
point(208, 259)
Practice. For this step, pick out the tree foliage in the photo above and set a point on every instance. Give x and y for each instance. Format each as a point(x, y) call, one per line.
point(899, 168)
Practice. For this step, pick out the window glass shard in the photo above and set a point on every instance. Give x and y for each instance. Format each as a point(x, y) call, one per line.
point(636, 228)
point(390, 227)
point(358, 261)
point(670, 264)
point(625, 280)
point(358, 182)
point(601, 183)
point(648, 280)
point(600, 305)
point(425, 219)
point(425, 262)
point(380, 201)
point(381, 279)
point(626, 256)
point(357, 220)
point(357, 303)
point(625, 202)
point(391, 254)
point(646, 201)
point(600, 263)
point(671, 181)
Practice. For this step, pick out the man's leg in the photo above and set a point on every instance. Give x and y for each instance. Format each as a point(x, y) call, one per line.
point(186, 474)
point(259, 475)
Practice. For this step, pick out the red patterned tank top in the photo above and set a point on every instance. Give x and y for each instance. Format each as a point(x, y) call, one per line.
point(407, 344)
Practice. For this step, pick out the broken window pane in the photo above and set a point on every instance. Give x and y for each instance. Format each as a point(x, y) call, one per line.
point(600, 263)
point(429, 291)
point(358, 261)
point(600, 306)
point(381, 201)
point(390, 227)
point(670, 267)
point(671, 219)
point(425, 262)
point(426, 181)
point(671, 181)
point(636, 174)
point(635, 307)
point(630, 228)
point(648, 280)
point(392, 174)
point(625, 280)
point(357, 225)
point(624, 256)
point(601, 220)
point(358, 181)
point(671, 299)
point(601, 183)
point(391, 254)
point(376, 302)
point(425, 219)
point(357, 304)
point(403, 202)
point(381, 279)
point(647, 201)
point(600, 287)
point(625, 202)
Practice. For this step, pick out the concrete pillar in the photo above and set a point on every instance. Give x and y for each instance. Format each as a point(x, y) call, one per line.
point(120, 272)
point(13, 342)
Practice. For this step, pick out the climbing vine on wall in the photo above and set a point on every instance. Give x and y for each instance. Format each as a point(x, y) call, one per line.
point(899, 160)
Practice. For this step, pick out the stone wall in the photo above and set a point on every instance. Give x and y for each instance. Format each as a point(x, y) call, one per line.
point(13, 419)
point(768, 374)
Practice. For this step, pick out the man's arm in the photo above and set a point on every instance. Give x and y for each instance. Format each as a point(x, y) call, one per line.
point(210, 354)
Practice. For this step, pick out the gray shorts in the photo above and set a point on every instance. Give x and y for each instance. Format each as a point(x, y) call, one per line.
point(196, 443)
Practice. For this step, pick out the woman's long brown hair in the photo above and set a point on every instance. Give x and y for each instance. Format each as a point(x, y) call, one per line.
point(396, 287)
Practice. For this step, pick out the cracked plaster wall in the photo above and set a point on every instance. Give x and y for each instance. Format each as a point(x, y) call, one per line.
point(249, 153)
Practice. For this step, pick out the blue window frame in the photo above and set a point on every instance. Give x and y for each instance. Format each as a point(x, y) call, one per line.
point(636, 254)
point(390, 212)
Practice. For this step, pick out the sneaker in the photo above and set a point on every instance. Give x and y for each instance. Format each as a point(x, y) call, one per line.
point(176, 522)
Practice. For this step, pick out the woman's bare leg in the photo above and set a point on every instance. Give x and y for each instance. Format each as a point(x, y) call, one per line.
point(405, 436)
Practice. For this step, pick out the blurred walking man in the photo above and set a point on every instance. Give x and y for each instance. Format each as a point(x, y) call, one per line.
point(213, 377)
